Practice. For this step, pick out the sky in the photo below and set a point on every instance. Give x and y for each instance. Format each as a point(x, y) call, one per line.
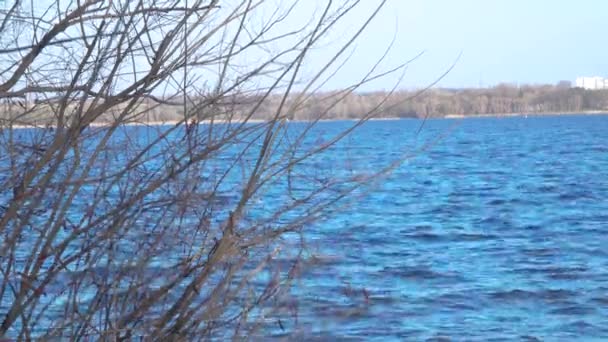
point(512, 41)
point(486, 41)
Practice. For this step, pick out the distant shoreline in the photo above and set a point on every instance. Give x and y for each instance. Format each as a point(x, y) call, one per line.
point(502, 115)
point(221, 121)
point(204, 122)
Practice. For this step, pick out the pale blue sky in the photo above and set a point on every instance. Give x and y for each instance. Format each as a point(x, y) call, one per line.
point(517, 41)
point(514, 41)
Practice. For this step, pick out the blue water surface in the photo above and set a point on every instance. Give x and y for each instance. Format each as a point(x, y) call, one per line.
point(489, 229)
point(495, 230)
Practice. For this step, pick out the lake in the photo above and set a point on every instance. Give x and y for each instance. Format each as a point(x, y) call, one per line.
point(491, 229)
point(497, 231)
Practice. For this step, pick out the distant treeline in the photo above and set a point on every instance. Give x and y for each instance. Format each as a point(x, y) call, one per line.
point(501, 99)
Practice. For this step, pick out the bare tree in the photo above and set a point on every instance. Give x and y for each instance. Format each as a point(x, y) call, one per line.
point(113, 228)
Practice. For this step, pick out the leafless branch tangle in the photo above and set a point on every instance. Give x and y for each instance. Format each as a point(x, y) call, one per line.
point(115, 228)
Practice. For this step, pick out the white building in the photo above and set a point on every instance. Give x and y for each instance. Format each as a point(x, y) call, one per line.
point(592, 83)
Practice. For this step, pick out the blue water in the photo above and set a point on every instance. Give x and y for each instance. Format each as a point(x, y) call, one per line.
point(490, 229)
point(497, 231)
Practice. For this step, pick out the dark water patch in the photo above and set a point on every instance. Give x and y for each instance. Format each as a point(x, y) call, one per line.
point(469, 142)
point(447, 210)
point(497, 202)
point(343, 311)
point(469, 193)
point(347, 238)
point(600, 300)
point(532, 227)
point(453, 301)
point(487, 188)
point(599, 218)
point(522, 202)
point(423, 228)
point(358, 227)
point(540, 252)
point(461, 307)
point(493, 222)
point(384, 299)
point(418, 273)
point(409, 334)
point(314, 260)
point(582, 327)
point(555, 273)
point(575, 195)
point(378, 240)
point(424, 237)
point(395, 254)
point(547, 188)
point(578, 310)
point(511, 295)
point(550, 175)
point(567, 276)
point(600, 149)
point(525, 295)
point(472, 237)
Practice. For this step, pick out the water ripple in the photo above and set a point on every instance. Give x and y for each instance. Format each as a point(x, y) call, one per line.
point(498, 233)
